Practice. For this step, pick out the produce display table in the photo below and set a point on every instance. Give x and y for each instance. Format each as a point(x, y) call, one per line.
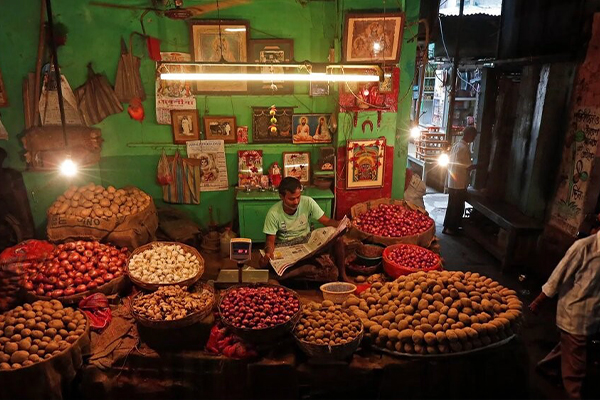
point(136, 370)
point(253, 207)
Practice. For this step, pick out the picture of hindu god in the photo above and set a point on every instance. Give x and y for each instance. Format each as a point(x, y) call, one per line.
point(208, 167)
point(371, 40)
point(221, 50)
point(322, 132)
point(303, 131)
point(186, 126)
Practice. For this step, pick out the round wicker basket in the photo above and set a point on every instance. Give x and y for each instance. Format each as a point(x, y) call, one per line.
point(268, 335)
point(153, 286)
point(188, 320)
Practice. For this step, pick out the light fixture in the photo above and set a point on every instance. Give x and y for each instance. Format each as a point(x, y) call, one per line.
point(68, 168)
point(241, 29)
point(376, 46)
point(415, 132)
point(301, 72)
point(443, 160)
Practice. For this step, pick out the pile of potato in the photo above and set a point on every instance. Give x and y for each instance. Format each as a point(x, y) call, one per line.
point(437, 312)
point(34, 332)
point(163, 264)
point(170, 303)
point(327, 324)
point(98, 202)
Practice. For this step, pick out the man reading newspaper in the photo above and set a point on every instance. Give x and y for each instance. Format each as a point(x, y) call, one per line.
point(289, 239)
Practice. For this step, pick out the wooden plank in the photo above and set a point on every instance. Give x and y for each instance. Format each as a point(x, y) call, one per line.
point(485, 117)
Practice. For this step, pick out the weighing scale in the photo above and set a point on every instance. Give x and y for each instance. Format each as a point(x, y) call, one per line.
point(240, 251)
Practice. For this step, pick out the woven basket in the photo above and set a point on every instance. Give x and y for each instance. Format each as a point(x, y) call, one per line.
point(182, 322)
point(395, 270)
point(153, 286)
point(423, 239)
point(270, 335)
point(117, 285)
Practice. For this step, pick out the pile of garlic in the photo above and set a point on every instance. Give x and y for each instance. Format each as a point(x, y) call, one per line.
point(164, 264)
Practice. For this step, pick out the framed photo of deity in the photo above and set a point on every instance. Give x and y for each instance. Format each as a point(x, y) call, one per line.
point(365, 163)
point(185, 125)
point(311, 128)
point(297, 164)
point(271, 51)
point(373, 38)
point(215, 41)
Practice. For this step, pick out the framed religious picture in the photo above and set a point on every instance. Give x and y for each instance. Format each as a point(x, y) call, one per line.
point(228, 45)
point(220, 128)
point(186, 125)
point(319, 89)
point(373, 38)
point(3, 97)
point(297, 164)
point(250, 168)
point(271, 51)
point(311, 128)
point(242, 134)
point(365, 163)
point(261, 125)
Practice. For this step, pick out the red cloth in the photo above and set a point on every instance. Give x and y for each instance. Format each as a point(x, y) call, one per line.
point(96, 307)
point(153, 48)
point(27, 251)
point(221, 341)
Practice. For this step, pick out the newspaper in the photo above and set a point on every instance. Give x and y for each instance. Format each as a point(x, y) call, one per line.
point(48, 102)
point(213, 167)
point(285, 257)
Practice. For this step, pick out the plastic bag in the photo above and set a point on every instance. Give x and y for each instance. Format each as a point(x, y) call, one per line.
point(164, 175)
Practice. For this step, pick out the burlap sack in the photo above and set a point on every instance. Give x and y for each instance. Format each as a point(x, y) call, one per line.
point(424, 239)
point(129, 231)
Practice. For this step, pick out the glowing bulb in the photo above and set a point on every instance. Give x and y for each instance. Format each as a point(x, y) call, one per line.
point(68, 168)
point(443, 160)
point(415, 132)
point(376, 46)
point(366, 92)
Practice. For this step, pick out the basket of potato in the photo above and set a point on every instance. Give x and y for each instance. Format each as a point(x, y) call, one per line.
point(436, 313)
point(159, 264)
point(173, 306)
point(328, 331)
point(33, 334)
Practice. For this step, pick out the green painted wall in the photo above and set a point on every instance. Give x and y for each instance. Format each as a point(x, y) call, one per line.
point(94, 35)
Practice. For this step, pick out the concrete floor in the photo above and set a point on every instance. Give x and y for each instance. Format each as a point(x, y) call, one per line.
point(538, 332)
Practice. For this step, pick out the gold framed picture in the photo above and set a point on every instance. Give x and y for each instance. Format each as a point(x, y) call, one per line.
point(220, 41)
point(186, 125)
point(220, 128)
point(365, 163)
point(297, 164)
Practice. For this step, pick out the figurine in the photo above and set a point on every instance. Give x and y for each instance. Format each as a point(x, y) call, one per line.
point(275, 174)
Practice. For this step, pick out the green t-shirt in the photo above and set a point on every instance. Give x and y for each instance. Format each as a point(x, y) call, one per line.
point(288, 227)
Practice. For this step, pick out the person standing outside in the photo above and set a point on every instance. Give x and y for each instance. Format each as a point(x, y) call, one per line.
point(459, 169)
point(576, 280)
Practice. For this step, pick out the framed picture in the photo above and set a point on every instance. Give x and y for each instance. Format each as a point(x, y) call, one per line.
point(271, 51)
point(319, 89)
point(250, 168)
point(186, 125)
point(366, 160)
point(387, 86)
point(220, 128)
point(230, 45)
point(242, 134)
point(373, 38)
point(311, 128)
point(3, 97)
point(297, 164)
point(261, 122)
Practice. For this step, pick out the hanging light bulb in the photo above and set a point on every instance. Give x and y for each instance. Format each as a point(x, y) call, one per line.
point(443, 160)
point(415, 132)
point(68, 168)
point(376, 47)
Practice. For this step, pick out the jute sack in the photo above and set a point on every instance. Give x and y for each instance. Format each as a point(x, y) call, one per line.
point(129, 231)
point(423, 239)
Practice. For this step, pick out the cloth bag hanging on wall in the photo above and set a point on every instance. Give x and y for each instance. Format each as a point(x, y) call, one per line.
point(185, 187)
point(96, 98)
point(128, 83)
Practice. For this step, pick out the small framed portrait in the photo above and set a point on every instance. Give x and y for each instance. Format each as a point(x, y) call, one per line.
point(186, 125)
point(220, 128)
point(311, 128)
point(297, 164)
point(242, 134)
point(366, 160)
point(373, 38)
point(319, 89)
point(271, 51)
point(216, 40)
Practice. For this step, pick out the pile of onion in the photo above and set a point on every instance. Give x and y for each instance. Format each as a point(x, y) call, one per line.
point(75, 267)
point(393, 220)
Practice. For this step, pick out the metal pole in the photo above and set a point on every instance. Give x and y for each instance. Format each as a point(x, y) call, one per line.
point(454, 75)
point(61, 106)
